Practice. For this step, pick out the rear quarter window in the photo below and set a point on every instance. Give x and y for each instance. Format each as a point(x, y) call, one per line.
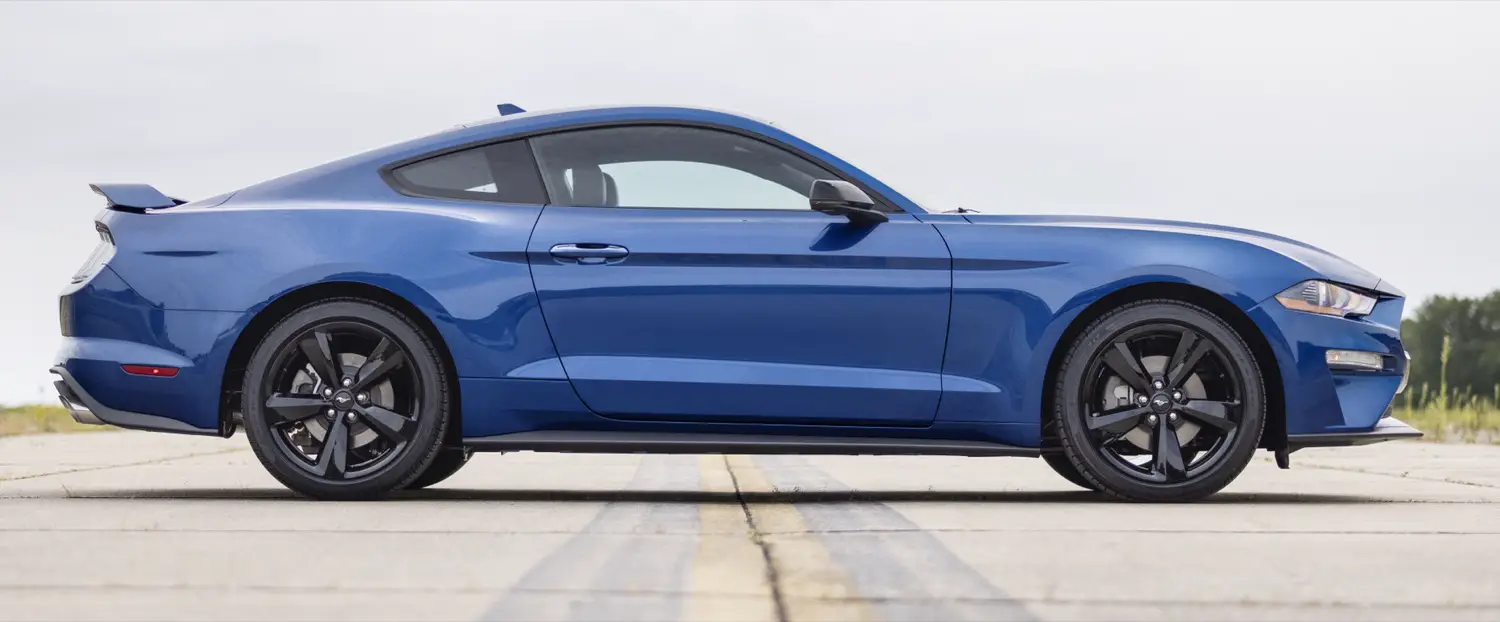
point(499, 173)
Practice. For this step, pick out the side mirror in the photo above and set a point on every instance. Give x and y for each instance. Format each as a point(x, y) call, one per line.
point(841, 198)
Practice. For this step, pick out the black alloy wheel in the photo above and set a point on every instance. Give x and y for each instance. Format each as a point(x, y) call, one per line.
point(345, 399)
point(1160, 401)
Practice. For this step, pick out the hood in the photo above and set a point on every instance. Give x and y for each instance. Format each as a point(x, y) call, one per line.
point(1324, 263)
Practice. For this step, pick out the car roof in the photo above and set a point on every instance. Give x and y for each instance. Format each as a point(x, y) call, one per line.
point(351, 177)
point(498, 127)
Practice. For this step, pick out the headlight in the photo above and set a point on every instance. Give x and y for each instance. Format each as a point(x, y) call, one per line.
point(1326, 298)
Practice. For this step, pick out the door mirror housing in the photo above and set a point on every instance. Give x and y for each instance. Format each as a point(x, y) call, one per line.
point(841, 198)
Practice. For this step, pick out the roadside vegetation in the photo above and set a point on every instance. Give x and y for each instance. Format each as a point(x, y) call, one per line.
point(1454, 344)
point(35, 419)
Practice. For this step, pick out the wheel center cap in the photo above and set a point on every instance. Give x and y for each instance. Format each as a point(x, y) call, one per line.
point(1161, 403)
point(343, 400)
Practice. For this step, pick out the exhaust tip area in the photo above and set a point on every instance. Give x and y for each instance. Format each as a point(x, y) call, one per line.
point(76, 410)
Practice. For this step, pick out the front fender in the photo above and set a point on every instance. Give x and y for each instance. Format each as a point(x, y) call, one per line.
point(1017, 289)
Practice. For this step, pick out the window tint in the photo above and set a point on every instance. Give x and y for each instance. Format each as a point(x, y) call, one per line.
point(663, 166)
point(503, 173)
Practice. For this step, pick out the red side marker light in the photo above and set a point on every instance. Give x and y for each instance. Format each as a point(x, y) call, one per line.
point(149, 370)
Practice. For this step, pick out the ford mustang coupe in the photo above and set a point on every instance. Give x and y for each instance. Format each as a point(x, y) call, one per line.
point(646, 279)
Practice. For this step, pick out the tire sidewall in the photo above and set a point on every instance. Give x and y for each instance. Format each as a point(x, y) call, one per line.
point(432, 418)
point(1071, 409)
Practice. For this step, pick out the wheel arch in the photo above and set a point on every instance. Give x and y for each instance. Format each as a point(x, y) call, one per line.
point(284, 305)
point(1274, 434)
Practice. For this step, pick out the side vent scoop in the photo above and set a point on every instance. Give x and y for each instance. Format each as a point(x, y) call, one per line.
point(134, 197)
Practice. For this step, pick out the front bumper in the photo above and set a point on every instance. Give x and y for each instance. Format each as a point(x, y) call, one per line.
point(85, 409)
point(1326, 403)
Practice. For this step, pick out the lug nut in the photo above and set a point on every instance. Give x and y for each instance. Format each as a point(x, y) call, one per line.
point(1151, 419)
point(351, 417)
point(348, 381)
point(1172, 417)
point(331, 412)
point(1157, 385)
point(327, 391)
point(1142, 399)
point(362, 398)
point(1177, 395)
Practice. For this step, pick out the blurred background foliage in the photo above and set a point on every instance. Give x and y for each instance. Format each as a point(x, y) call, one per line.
point(1454, 344)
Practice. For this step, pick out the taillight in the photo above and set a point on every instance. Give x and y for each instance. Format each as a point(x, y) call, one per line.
point(101, 255)
point(149, 370)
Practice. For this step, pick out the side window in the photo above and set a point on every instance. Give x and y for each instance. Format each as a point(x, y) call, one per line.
point(502, 173)
point(668, 166)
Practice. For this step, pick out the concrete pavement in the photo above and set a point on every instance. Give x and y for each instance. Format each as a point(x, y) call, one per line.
point(125, 525)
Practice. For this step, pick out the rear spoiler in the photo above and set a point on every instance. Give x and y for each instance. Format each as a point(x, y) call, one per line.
point(134, 197)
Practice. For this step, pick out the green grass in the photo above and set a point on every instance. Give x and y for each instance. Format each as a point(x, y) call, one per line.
point(1477, 422)
point(37, 419)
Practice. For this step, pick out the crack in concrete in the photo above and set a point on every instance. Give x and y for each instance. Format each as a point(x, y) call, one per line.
point(123, 465)
point(773, 577)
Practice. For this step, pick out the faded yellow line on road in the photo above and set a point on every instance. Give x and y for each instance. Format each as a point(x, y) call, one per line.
point(811, 585)
point(727, 561)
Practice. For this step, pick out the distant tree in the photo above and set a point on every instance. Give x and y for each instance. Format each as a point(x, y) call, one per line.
point(1472, 328)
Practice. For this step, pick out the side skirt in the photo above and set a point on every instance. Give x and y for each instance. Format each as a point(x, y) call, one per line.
point(582, 441)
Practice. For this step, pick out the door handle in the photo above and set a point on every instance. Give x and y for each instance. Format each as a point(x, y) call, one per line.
point(590, 253)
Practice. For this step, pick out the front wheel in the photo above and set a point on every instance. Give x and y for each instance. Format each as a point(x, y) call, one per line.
point(345, 399)
point(447, 462)
point(1159, 401)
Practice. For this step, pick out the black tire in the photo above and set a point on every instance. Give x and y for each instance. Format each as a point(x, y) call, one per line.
point(447, 462)
point(380, 429)
point(1065, 468)
point(1198, 372)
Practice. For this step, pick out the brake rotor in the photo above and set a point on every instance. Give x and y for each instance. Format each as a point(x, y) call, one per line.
point(1118, 394)
point(360, 434)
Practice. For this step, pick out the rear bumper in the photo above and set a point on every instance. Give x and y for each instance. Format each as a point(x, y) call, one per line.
point(1387, 429)
point(85, 409)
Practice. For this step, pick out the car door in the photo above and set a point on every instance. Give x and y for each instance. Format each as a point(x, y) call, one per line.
point(683, 276)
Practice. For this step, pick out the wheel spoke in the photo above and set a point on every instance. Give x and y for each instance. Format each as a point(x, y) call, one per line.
point(294, 407)
point(385, 358)
point(1166, 453)
point(1124, 363)
point(333, 457)
point(1190, 351)
point(389, 424)
point(1120, 421)
point(1209, 413)
point(318, 348)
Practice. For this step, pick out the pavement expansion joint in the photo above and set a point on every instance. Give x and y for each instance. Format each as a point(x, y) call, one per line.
point(773, 578)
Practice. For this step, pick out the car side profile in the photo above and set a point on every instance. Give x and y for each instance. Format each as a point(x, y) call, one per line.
point(657, 279)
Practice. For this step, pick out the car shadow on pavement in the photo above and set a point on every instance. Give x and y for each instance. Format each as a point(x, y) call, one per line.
point(696, 497)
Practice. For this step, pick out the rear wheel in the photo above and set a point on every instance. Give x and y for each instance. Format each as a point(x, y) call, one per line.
point(447, 462)
point(1159, 401)
point(345, 399)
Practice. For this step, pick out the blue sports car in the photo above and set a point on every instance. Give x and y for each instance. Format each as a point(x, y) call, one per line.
point(654, 279)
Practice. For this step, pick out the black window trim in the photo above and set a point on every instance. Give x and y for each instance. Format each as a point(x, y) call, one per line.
point(881, 202)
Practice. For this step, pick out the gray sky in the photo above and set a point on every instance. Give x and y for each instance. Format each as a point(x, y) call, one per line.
point(1371, 130)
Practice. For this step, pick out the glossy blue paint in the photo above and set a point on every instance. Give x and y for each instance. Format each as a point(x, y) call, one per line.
point(937, 326)
point(747, 315)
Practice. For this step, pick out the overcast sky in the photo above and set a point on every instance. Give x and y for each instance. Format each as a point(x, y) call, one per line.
point(1371, 130)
